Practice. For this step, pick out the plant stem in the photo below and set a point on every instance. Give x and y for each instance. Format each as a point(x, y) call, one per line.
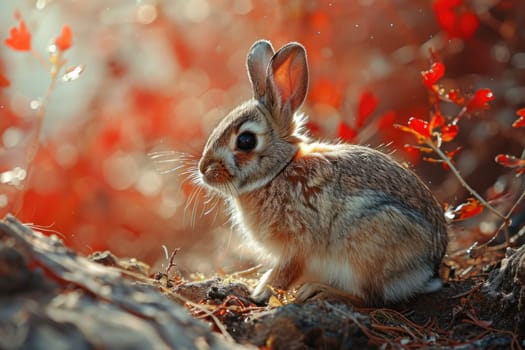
point(505, 225)
point(35, 141)
point(456, 173)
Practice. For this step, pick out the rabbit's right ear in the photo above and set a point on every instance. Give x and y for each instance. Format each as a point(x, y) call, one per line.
point(257, 61)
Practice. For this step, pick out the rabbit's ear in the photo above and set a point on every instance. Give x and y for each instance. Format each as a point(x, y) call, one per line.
point(257, 61)
point(287, 80)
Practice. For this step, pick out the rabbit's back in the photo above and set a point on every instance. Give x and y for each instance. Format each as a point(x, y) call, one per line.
point(349, 208)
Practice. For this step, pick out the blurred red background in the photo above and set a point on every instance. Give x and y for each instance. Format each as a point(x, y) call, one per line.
point(160, 74)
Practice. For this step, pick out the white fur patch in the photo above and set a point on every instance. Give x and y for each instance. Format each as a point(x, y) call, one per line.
point(253, 126)
point(334, 271)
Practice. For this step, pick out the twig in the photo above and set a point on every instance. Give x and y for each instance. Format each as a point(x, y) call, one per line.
point(460, 178)
point(505, 225)
point(170, 258)
point(57, 64)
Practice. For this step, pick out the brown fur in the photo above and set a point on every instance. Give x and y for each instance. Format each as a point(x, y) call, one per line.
point(342, 215)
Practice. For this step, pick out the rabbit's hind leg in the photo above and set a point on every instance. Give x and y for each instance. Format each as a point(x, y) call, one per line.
point(320, 291)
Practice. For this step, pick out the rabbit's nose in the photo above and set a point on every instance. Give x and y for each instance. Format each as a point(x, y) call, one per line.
point(204, 165)
point(213, 171)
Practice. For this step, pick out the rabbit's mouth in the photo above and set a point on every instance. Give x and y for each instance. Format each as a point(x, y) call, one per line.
point(215, 175)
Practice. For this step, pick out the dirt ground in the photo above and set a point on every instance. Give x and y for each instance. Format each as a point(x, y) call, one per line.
point(52, 297)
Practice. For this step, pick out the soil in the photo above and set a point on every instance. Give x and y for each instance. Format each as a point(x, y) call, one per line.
point(51, 297)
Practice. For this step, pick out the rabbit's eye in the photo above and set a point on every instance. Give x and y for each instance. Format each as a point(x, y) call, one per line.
point(246, 141)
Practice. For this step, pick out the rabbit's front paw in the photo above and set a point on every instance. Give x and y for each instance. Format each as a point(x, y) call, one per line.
point(262, 293)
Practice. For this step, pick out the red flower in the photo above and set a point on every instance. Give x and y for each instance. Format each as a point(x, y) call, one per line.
point(19, 38)
point(480, 100)
point(63, 42)
point(455, 18)
point(4, 82)
point(367, 104)
point(520, 122)
point(345, 132)
point(431, 76)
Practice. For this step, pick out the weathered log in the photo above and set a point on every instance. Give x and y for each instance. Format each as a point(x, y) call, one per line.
point(53, 298)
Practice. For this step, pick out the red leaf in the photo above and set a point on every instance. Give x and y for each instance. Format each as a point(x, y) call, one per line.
point(510, 161)
point(367, 103)
point(467, 24)
point(412, 149)
point(63, 42)
point(452, 154)
point(434, 160)
point(19, 38)
point(421, 127)
point(4, 82)
point(449, 132)
point(480, 100)
point(520, 122)
point(455, 19)
point(422, 149)
point(437, 124)
point(418, 128)
point(456, 97)
point(465, 210)
point(446, 19)
point(432, 76)
point(420, 138)
point(437, 121)
point(345, 132)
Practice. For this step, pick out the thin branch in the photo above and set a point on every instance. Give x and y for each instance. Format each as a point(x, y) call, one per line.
point(505, 225)
point(456, 173)
point(35, 140)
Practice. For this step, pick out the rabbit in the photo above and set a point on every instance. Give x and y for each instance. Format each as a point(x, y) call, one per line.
point(342, 215)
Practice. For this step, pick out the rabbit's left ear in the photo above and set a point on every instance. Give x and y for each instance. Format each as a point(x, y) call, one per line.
point(287, 80)
point(257, 61)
